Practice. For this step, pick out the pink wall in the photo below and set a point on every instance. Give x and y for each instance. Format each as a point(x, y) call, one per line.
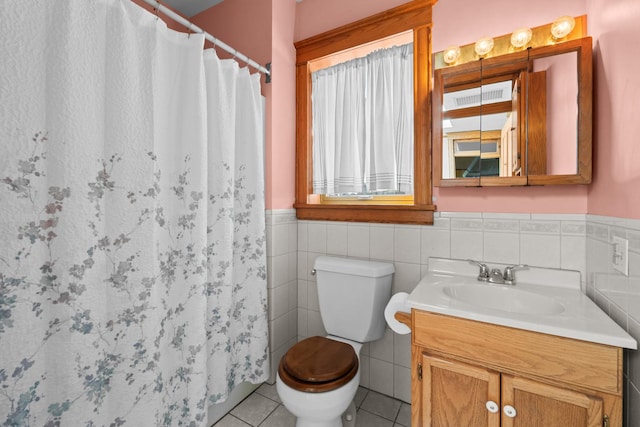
point(317, 16)
point(614, 24)
point(611, 23)
point(266, 35)
point(562, 110)
point(249, 33)
point(282, 158)
point(461, 22)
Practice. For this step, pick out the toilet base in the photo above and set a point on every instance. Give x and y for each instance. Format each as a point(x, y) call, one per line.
point(347, 419)
point(349, 416)
point(336, 422)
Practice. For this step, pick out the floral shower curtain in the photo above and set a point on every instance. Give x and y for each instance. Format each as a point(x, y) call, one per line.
point(132, 240)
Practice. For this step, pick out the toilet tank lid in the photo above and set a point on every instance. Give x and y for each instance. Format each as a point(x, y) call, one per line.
point(357, 267)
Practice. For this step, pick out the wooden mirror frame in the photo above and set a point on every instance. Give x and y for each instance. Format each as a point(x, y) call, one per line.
point(416, 16)
point(583, 48)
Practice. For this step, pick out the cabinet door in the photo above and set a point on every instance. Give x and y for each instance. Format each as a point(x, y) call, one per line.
point(528, 403)
point(456, 394)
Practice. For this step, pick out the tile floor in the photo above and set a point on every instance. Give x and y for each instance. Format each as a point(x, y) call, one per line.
point(263, 408)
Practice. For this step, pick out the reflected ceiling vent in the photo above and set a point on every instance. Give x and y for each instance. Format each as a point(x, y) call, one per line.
point(487, 95)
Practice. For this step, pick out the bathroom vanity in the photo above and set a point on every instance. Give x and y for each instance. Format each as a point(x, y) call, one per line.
point(537, 353)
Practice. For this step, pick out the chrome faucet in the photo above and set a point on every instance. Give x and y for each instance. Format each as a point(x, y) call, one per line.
point(495, 275)
point(509, 273)
point(483, 275)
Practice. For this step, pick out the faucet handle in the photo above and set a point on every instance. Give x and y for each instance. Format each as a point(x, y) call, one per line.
point(509, 275)
point(483, 274)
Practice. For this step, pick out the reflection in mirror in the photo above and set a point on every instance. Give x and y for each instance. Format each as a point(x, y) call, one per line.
point(556, 129)
point(474, 120)
point(530, 112)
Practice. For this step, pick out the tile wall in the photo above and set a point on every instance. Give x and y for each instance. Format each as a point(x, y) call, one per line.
point(576, 242)
point(618, 295)
point(544, 240)
point(282, 283)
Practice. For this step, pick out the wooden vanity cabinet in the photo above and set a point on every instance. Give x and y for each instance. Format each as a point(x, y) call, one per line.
point(469, 373)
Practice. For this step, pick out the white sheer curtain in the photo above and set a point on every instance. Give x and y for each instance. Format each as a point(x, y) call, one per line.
point(132, 263)
point(363, 124)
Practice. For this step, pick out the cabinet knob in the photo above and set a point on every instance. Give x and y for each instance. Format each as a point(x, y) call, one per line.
point(509, 411)
point(492, 406)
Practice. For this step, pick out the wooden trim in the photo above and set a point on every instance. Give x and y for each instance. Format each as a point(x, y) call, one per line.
point(437, 131)
point(394, 214)
point(520, 352)
point(414, 15)
point(585, 125)
point(417, 396)
point(403, 318)
point(304, 177)
point(387, 199)
point(422, 192)
point(469, 73)
point(583, 48)
point(361, 50)
point(494, 108)
point(402, 18)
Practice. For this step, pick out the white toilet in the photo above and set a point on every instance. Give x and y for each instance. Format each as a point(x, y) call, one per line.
point(319, 376)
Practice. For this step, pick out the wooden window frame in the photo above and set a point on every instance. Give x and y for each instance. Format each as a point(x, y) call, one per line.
point(415, 15)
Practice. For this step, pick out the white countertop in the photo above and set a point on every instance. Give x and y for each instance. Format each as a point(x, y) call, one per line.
point(581, 318)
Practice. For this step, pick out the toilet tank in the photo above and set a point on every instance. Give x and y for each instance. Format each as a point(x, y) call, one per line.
point(353, 294)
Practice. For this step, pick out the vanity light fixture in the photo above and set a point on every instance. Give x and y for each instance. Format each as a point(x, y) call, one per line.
point(451, 55)
point(484, 46)
point(520, 37)
point(561, 30)
point(562, 26)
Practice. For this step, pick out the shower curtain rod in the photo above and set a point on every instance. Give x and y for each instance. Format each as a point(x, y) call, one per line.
point(192, 27)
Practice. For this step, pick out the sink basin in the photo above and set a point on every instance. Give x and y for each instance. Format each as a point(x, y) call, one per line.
point(545, 300)
point(509, 299)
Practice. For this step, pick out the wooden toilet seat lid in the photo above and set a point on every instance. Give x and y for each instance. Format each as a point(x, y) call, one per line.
point(318, 364)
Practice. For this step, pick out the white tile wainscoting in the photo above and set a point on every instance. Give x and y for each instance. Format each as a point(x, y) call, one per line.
point(618, 295)
point(568, 241)
point(282, 283)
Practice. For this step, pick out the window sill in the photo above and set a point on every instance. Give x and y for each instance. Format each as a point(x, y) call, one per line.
point(395, 214)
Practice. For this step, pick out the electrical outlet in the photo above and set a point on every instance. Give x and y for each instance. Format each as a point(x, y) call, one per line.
point(620, 259)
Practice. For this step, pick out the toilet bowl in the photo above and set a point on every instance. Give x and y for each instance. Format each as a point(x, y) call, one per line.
point(322, 396)
point(318, 377)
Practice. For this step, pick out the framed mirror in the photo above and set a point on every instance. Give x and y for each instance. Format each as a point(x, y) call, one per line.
point(523, 118)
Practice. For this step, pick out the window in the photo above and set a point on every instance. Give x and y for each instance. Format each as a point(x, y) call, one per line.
point(362, 125)
point(415, 17)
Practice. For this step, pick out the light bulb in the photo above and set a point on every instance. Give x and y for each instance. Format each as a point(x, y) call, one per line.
point(484, 46)
point(562, 26)
point(521, 37)
point(451, 55)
